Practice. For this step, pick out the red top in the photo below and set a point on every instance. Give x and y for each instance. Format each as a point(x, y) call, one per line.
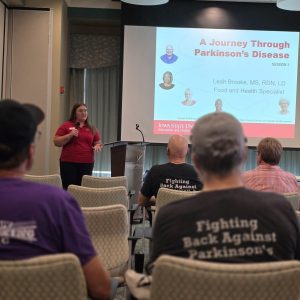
point(78, 149)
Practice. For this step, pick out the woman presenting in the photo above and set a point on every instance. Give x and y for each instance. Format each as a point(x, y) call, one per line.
point(78, 140)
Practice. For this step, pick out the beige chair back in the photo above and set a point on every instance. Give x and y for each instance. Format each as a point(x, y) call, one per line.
point(49, 277)
point(298, 216)
point(53, 179)
point(108, 229)
point(186, 279)
point(92, 197)
point(103, 182)
point(294, 199)
point(165, 196)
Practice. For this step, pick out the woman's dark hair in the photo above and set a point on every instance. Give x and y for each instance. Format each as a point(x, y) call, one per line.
point(72, 117)
point(170, 74)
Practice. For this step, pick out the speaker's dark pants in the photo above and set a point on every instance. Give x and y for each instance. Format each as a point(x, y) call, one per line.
point(71, 173)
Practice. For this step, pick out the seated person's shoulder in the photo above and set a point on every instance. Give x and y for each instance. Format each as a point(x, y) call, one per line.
point(247, 173)
point(49, 194)
point(290, 175)
point(248, 176)
point(268, 198)
point(158, 168)
point(191, 167)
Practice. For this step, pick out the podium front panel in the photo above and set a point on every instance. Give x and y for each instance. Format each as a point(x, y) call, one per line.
point(118, 158)
point(134, 167)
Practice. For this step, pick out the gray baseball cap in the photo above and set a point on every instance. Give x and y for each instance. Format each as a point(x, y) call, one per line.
point(218, 142)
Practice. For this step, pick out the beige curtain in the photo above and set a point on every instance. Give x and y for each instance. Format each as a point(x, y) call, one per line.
point(76, 87)
point(102, 99)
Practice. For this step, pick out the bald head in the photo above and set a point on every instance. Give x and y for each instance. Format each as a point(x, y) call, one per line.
point(177, 147)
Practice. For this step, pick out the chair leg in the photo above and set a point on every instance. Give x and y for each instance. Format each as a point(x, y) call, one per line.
point(133, 241)
point(149, 213)
point(139, 262)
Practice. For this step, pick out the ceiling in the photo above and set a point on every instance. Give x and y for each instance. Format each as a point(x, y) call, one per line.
point(105, 18)
point(111, 4)
point(87, 20)
point(115, 4)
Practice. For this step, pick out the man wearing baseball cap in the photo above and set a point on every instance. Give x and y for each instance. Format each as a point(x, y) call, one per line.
point(225, 222)
point(38, 219)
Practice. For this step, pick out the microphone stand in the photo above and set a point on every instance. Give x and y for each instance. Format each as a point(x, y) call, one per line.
point(139, 257)
point(137, 127)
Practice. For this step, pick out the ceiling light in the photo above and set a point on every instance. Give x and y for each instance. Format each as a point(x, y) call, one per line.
point(146, 2)
point(289, 4)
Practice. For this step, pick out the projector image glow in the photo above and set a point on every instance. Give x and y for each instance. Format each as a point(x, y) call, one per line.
point(289, 4)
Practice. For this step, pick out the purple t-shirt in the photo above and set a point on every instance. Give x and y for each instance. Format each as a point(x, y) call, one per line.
point(38, 219)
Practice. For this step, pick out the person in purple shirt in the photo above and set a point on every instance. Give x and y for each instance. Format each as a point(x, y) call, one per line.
point(169, 57)
point(38, 219)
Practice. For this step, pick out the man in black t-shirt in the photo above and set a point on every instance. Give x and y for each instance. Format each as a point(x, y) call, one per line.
point(176, 174)
point(225, 222)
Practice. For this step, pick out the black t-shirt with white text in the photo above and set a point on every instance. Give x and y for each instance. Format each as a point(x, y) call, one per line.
point(234, 225)
point(173, 176)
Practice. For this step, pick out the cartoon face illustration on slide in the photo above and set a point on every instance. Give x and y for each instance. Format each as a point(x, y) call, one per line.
point(167, 81)
point(284, 105)
point(169, 57)
point(218, 105)
point(188, 101)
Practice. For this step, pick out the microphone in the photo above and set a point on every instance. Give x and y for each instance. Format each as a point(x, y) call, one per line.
point(137, 127)
point(77, 125)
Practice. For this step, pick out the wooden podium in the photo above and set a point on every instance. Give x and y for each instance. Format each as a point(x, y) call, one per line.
point(128, 159)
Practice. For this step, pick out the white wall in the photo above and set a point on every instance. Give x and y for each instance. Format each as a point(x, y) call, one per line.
point(29, 69)
point(60, 74)
point(37, 66)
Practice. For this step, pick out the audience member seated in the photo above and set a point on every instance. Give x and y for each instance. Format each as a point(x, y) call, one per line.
point(268, 176)
point(225, 222)
point(176, 174)
point(38, 219)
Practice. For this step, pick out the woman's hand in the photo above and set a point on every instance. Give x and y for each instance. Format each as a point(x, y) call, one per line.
point(60, 141)
point(73, 132)
point(98, 147)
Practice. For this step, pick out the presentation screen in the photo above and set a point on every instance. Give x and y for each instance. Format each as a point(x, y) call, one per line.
point(173, 76)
